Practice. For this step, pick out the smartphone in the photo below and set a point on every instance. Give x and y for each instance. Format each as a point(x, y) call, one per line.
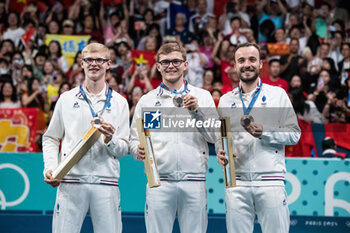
point(139, 66)
point(170, 38)
point(139, 25)
point(332, 28)
point(191, 47)
point(320, 82)
point(344, 77)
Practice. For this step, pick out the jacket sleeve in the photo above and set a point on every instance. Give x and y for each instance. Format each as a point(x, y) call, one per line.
point(119, 145)
point(52, 137)
point(206, 111)
point(134, 138)
point(286, 131)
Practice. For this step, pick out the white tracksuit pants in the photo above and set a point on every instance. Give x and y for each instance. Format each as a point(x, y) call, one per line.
point(186, 199)
point(73, 201)
point(269, 203)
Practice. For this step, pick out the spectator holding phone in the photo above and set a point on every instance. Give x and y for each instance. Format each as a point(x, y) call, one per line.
point(53, 88)
point(120, 35)
point(236, 37)
point(35, 97)
point(54, 53)
point(16, 66)
point(196, 63)
point(336, 109)
point(335, 46)
point(140, 77)
point(328, 64)
point(320, 92)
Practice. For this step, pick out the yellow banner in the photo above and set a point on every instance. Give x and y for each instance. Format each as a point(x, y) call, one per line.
point(70, 45)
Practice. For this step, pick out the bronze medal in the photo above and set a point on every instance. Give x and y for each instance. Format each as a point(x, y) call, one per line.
point(246, 120)
point(96, 122)
point(178, 101)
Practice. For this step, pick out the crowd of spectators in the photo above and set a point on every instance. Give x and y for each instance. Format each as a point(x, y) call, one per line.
point(314, 70)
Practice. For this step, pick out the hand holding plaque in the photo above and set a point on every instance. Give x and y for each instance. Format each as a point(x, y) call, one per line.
point(226, 140)
point(150, 161)
point(77, 152)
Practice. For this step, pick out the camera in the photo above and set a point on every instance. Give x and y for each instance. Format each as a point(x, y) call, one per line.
point(332, 28)
point(191, 48)
point(139, 66)
point(19, 62)
point(202, 22)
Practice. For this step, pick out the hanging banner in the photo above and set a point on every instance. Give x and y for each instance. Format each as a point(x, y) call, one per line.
point(70, 45)
point(18, 129)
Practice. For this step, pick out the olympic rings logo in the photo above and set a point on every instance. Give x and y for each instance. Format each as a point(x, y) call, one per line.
point(3, 202)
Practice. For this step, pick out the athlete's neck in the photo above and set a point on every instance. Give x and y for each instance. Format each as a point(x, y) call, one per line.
point(249, 87)
point(174, 86)
point(94, 87)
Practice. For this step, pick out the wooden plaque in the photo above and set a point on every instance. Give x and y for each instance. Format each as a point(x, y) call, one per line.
point(226, 142)
point(150, 161)
point(78, 151)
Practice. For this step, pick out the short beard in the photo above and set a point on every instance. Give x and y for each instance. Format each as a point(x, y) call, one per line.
point(249, 80)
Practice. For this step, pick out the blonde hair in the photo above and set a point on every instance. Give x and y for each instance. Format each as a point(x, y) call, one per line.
point(96, 48)
point(171, 47)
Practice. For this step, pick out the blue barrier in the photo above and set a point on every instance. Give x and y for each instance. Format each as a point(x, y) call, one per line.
point(316, 188)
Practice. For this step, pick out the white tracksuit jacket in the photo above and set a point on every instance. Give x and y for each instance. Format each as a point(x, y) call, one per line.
point(261, 161)
point(71, 120)
point(180, 155)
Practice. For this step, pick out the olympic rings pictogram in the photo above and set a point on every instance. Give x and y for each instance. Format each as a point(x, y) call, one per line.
point(3, 202)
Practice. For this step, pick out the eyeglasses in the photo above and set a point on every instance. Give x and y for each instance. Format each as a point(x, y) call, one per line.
point(175, 62)
point(99, 61)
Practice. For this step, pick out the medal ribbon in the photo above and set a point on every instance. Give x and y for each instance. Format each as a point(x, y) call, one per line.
point(246, 110)
point(108, 100)
point(173, 90)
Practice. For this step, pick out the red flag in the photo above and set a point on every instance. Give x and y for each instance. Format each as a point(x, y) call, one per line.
point(306, 142)
point(142, 57)
point(18, 129)
point(340, 133)
point(278, 48)
point(219, 6)
point(25, 38)
point(17, 5)
point(110, 3)
point(225, 66)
